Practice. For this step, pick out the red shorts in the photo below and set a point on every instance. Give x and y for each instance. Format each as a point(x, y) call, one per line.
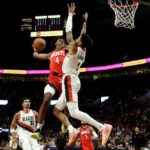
point(88, 146)
point(56, 81)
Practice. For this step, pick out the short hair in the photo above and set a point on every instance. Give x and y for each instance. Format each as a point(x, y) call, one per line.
point(87, 41)
point(23, 98)
point(55, 39)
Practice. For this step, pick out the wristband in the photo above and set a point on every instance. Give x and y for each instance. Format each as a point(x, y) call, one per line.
point(35, 51)
point(12, 130)
point(70, 14)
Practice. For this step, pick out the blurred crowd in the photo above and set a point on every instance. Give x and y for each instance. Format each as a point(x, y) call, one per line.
point(126, 109)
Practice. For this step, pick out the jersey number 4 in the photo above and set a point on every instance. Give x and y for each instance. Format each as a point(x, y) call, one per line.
point(57, 60)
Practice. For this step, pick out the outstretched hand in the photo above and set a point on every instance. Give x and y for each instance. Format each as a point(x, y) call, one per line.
point(85, 16)
point(71, 8)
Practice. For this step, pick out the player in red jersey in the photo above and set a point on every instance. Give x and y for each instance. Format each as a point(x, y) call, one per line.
point(55, 58)
point(87, 134)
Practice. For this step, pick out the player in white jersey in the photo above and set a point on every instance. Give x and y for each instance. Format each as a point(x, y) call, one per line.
point(72, 63)
point(23, 125)
point(71, 82)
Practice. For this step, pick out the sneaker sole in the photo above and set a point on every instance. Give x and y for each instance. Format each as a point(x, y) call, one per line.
point(107, 135)
point(74, 141)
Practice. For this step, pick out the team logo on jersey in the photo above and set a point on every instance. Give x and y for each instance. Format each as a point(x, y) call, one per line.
point(28, 118)
point(58, 54)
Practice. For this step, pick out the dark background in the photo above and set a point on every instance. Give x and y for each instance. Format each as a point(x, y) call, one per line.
point(111, 44)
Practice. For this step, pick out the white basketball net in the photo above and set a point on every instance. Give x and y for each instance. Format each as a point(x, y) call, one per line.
point(124, 12)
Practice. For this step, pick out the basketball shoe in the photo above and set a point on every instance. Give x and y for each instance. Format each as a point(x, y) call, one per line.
point(37, 134)
point(73, 137)
point(105, 131)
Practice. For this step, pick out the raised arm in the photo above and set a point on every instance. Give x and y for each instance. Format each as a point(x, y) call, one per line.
point(71, 9)
point(84, 26)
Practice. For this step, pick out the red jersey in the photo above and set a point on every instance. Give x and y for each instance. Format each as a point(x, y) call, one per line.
point(86, 138)
point(56, 61)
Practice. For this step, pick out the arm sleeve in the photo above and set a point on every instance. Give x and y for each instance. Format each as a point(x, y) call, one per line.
point(69, 23)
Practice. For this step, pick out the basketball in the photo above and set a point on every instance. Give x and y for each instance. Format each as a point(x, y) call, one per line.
point(39, 44)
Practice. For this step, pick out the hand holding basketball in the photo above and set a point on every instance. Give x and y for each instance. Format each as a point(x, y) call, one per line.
point(39, 44)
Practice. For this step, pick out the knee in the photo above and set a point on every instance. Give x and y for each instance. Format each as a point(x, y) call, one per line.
point(73, 110)
point(56, 111)
point(73, 113)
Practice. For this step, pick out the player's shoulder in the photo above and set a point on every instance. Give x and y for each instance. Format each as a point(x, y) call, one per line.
point(35, 112)
point(81, 50)
point(17, 114)
point(90, 127)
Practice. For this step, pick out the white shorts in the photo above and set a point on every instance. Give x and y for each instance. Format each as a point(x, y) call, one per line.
point(26, 142)
point(49, 89)
point(70, 88)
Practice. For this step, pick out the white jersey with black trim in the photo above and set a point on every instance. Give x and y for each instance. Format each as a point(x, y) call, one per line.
point(27, 121)
point(72, 63)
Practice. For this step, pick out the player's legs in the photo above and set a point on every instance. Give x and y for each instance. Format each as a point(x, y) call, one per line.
point(106, 130)
point(61, 116)
point(49, 91)
point(34, 144)
point(73, 133)
point(71, 87)
point(64, 128)
point(24, 143)
point(82, 116)
point(60, 105)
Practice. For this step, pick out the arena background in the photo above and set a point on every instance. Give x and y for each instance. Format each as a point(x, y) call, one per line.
point(127, 88)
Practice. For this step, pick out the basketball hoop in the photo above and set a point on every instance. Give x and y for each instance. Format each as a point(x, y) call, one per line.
point(124, 12)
